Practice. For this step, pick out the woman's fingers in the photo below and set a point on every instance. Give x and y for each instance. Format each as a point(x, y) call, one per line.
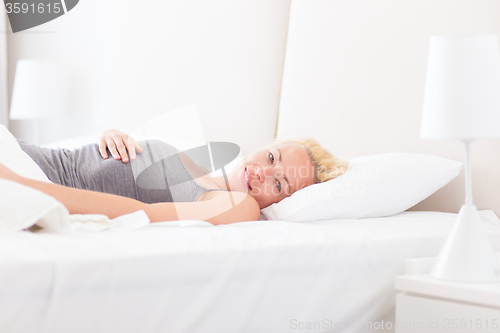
point(124, 144)
point(112, 148)
point(118, 145)
point(122, 151)
point(137, 147)
point(132, 147)
point(102, 148)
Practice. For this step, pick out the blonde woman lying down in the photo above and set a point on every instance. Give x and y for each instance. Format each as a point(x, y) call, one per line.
point(88, 180)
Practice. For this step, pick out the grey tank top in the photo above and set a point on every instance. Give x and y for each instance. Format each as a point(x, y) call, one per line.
point(156, 175)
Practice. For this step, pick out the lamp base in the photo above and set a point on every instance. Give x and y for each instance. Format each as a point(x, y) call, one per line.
point(467, 255)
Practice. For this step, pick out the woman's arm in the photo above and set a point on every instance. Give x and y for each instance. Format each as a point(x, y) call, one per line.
point(217, 210)
point(220, 209)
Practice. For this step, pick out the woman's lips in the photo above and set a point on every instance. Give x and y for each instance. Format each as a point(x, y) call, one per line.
point(243, 180)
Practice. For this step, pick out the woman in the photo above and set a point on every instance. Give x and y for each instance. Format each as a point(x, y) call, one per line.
point(86, 181)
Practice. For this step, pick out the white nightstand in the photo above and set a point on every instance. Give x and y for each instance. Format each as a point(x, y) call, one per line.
point(424, 304)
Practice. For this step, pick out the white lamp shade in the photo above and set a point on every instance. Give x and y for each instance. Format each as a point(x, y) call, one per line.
point(37, 90)
point(462, 89)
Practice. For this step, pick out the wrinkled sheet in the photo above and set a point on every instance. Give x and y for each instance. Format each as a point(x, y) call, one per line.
point(190, 276)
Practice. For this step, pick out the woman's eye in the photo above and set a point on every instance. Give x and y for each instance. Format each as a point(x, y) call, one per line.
point(271, 157)
point(278, 184)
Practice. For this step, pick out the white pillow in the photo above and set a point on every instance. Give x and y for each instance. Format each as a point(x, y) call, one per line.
point(13, 157)
point(22, 206)
point(373, 186)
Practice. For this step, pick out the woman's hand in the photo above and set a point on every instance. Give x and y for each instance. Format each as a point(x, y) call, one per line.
point(6, 173)
point(118, 143)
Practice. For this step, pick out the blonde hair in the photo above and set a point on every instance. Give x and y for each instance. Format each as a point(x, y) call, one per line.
point(326, 166)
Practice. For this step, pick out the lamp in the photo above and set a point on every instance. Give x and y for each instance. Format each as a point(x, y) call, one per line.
point(37, 92)
point(462, 102)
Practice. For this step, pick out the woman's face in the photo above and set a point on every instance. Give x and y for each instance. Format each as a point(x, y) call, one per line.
point(272, 174)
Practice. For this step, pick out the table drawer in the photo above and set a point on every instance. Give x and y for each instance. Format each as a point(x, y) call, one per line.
point(419, 314)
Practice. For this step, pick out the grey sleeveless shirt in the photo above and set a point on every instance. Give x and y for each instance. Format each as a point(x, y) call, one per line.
point(156, 175)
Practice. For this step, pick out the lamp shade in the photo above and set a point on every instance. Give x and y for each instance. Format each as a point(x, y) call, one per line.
point(462, 89)
point(37, 90)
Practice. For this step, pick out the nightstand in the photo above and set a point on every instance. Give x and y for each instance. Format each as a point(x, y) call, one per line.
point(424, 304)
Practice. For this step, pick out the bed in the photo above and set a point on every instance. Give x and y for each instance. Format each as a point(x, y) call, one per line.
point(190, 276)
point(349, 73)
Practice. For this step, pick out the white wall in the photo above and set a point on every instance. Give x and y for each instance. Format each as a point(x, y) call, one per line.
point(79, 43)
point(127, 63)
point(3, 69)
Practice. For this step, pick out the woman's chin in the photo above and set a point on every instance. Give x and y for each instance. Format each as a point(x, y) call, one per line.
point(264, 206)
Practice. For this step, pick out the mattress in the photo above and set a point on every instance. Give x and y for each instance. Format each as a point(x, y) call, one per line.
point(191, 276)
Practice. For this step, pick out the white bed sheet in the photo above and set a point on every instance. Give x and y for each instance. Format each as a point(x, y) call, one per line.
point(265, 276)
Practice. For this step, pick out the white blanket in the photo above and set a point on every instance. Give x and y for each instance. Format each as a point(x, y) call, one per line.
point(266, 276)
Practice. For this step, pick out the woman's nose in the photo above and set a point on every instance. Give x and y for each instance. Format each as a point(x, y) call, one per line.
point(265, 171)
